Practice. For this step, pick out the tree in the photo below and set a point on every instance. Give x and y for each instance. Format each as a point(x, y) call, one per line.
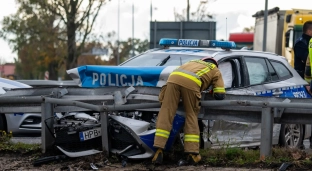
point(250, 29)
point(201, 13)
point(33, 33)
point(88, 58)
point(125, 47)
point(78, 19)
point(66, 24)
point(139, 47)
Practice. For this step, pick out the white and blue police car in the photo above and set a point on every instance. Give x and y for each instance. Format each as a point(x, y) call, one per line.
point(244, 72)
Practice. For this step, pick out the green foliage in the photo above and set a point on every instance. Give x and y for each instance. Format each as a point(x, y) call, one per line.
point(140, 46)
point(125, 47)
point(32, 32)
point(20, 148)
point(52, 35)
point(250, 29)
point(239, 157)
point(7, 146)
point(4, 136)
point(49, 35)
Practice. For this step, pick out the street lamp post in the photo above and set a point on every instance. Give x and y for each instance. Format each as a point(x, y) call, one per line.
point(265, 22)
point(151, 10)
point(188, 11)
point(118, 57)
point(132, 42)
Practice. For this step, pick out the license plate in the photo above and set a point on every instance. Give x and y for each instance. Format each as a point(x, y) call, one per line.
point(90, 134)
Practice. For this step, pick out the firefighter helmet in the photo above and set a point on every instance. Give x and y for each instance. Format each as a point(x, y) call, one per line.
point(211, 60)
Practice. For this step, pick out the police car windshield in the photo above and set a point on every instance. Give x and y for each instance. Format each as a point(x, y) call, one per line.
point(154, 59)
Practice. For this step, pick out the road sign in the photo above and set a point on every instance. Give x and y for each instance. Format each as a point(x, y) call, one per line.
point(46, 75)
point(99, 51)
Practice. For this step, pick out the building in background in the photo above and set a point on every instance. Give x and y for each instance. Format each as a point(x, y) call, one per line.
point(181, 30)
point(242, 40)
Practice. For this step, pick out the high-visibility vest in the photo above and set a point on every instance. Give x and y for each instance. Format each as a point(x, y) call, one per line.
point(308, 69)
point(195, 76)
point(310, 54)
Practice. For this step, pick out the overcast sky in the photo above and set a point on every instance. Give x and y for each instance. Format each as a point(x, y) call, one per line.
point(235, 14)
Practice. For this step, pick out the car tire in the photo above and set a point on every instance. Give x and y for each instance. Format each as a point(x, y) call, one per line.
point(291, 135)
point(2, 123)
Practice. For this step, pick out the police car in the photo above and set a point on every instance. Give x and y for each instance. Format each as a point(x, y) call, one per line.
point(244, 72)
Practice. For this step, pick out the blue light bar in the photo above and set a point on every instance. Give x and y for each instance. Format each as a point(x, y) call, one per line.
point(197, 43)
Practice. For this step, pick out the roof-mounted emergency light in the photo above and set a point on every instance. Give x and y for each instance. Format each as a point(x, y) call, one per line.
point(197, 43)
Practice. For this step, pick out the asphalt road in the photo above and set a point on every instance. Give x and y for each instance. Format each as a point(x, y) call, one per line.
point(27, 140)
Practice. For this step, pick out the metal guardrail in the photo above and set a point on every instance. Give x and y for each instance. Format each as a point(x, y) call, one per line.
point(49, 83)
point(264, 110)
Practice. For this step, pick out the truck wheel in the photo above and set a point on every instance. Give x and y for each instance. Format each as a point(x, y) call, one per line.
point(291, 135)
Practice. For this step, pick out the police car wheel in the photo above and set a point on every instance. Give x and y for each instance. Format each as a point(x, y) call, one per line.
point(291, 135)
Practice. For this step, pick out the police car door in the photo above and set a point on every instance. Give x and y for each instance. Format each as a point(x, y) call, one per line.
point(232, 70)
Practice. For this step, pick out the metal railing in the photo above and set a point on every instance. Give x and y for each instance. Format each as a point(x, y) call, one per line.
point(264, 110)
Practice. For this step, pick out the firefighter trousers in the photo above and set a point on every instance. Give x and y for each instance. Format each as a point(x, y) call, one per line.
point(170, 97)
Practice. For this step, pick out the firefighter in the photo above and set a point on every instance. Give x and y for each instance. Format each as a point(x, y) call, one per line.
point(186, 82)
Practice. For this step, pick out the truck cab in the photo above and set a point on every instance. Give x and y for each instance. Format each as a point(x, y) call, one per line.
point(293, 24)
point(284, 27)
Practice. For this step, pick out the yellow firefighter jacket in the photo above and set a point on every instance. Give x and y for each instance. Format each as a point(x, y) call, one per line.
point(202, 75)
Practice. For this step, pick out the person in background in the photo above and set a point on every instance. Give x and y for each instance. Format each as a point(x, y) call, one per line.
point(301, 48)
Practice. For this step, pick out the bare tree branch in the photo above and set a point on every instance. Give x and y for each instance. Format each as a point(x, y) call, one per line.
point(89, 27)
point(86, 13)
point(65, 6)
point(79, 4)
point(54, 9)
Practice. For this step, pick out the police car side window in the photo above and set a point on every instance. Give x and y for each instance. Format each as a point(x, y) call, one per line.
point(281, 70)
point(257, 70)
point(272, 72)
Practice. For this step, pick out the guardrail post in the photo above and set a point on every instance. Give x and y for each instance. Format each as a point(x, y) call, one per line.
point(47, 139)
point(266, 133)
point(104, 132)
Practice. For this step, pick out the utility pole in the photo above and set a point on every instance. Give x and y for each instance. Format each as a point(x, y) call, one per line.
point(226, 29)
point(118, 57)
point(188, 11)
point(151, 10)
point(132, 42)
point(265, 26)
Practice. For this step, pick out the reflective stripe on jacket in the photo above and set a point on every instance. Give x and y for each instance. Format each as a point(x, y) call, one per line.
point(308, 71)
point(198, 75)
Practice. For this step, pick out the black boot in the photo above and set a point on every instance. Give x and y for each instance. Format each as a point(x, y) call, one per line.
point(194, 158)
point(191, 159)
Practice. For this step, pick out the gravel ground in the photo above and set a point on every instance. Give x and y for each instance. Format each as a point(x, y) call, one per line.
point(11, 162)
point(18, 162)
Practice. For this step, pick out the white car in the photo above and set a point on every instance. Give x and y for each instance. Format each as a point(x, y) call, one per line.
point(18, 123)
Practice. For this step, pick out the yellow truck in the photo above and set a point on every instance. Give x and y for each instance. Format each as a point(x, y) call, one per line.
point(284, 27)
